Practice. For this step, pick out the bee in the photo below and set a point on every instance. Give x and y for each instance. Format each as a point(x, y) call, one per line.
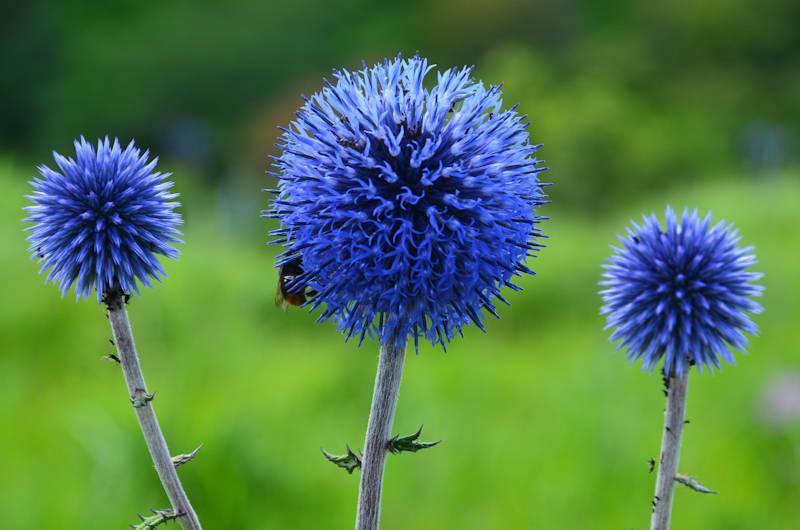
point(352, 144)
point(284, 297)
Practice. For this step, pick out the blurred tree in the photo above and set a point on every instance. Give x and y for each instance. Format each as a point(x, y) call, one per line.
point(28, 59)
point(626, 96)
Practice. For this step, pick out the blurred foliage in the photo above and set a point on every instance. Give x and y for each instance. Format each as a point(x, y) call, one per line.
point(627, 96)
point(544, 425)
point(637, 104)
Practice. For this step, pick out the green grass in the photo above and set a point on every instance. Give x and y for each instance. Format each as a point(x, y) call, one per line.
point(544, 425)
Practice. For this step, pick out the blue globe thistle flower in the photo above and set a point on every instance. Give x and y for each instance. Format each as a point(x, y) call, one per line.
point(410, 201)
point(100, 220)
point(681, 293)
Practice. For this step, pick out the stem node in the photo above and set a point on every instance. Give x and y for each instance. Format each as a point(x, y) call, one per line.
point(141, 398)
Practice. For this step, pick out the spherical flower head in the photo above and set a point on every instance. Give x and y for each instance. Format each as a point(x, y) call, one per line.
point(682, 292)
point(99, 220)
point(409, 199)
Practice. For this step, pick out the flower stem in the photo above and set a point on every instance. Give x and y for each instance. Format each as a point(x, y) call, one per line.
point(156, 444)
point(381, 417)
point(670, 451)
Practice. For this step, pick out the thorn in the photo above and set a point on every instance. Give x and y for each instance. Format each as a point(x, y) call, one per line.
point(686, 422)
point(159, 517)
point(141, 398)
point(693, 484)
point(179, 460)
point(409, 443)
point(112, 342)
point(349, 461)
point(107, 299)
point(651, 464)
point(111, 357)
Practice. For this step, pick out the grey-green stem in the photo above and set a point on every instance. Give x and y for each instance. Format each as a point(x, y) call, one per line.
point(674, 417)
point(381, 417)
point(156, 444)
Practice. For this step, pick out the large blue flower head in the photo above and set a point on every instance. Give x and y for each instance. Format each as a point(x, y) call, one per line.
point(410, 200)
point(99, 220)
point(682, 292)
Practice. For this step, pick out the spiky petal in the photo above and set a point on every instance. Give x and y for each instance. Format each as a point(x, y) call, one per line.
point(682, 292)
point(411, 201)
point(100, 219)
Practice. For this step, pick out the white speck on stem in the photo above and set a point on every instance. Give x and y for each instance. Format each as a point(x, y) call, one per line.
point(670, 452)
point(381, 417)
point(156, 444)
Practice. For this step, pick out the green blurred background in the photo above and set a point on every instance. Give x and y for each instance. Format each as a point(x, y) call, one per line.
point(638, 104)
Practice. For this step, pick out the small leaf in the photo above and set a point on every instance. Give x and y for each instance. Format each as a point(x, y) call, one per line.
point(179, 460)
point(693, 484)
point(159, 517)
point(350, 461)
point(409, 443)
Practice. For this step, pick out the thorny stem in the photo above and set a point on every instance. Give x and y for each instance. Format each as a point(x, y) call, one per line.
point(670, 451)
point(381, 417)
point(156, 444)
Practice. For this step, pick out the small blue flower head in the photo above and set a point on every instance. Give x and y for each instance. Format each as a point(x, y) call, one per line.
point(99, 220)
point(409, 199)
point(682, 292)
